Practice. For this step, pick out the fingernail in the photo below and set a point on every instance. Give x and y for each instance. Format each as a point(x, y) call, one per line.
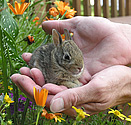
point(57, 105)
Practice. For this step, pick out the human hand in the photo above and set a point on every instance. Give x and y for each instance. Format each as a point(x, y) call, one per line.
point(107, 88)
point(99, 53)
point(102, 42)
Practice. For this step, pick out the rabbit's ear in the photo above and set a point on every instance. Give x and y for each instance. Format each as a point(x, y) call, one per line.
point(67, 34)
point(56, 37)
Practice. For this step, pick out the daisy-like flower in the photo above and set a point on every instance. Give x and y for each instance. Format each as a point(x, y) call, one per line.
point(128, 118)
point(53, 11)
point(40, 99)
point(56, 116)
point(19, 8)
point(8, 99)
point(80, 112)
point(40, 96)
point(63, 7)
point(118, 114)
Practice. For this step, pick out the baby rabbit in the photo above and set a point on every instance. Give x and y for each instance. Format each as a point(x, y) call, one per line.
point(61, 62)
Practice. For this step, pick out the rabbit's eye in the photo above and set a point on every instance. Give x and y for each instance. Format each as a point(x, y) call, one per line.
point(67, 57)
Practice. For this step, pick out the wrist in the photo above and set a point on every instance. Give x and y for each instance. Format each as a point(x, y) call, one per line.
point(125, 30)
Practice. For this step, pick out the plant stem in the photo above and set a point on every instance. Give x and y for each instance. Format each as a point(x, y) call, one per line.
point(38, 117)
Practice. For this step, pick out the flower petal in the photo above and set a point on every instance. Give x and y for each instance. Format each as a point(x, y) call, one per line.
point(11, 8)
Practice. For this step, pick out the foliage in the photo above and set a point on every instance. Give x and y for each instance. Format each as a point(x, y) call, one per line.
point(23, 33)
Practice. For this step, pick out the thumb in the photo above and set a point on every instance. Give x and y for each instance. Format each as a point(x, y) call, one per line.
point(70, 97)
point(59, 25)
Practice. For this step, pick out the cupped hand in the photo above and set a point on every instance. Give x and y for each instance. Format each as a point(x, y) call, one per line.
point(102, 42)
point(107, 88)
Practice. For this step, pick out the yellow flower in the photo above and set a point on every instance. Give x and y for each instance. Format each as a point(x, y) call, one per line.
point(129, 118)
point(10, 88)
point(1, 83)
point(56, 116)
point(129, 104)
point(19, 9)
point(53, 11)
point(118, 114)
point(40, 97)
point(0, 72)
point(8, 99)
point(80, 112)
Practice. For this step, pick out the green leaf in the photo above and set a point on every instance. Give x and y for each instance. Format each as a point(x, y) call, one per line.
point(7, 22)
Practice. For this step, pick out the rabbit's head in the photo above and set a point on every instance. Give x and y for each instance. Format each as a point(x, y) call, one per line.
point(67, 54)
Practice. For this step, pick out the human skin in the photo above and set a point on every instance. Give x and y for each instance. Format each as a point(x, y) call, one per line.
point(106, 81)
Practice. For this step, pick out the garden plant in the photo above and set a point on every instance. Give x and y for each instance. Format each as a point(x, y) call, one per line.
point(20, 31)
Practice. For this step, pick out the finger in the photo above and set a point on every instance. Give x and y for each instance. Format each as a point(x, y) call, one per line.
point(26, 57)
point(37, 76)
point(54, 89)
point(67, 98)
point(25, 84)
point(59, 25)
point(25, 71)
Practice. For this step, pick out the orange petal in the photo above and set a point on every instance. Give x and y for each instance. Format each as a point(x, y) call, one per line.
point(11, 8)
point(21, 7)
point(17, 7)
point(25, 7)
point(43, 114)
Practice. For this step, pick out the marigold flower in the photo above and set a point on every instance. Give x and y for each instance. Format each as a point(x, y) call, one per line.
point(56, 116)
point(80, 112)
point(53, 11)
point(19, 9)
point(40, 97)
point(117, 113)
point(8, 99)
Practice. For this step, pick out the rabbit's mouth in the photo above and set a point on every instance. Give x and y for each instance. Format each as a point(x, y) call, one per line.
point(77, 72)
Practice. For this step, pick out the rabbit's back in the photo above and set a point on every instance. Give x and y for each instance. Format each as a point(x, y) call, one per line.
point(41, 59)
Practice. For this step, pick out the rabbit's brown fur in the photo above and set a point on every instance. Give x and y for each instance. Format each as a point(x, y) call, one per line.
point(61, 62)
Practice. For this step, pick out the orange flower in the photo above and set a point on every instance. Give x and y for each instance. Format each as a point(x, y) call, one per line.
point(36, 18)
point(63, 7)
point(63, 36)
point(70, 12)
point(40, 97)
point(22, 1)
point(53, 11)
point(48, 19)
point(30, 39)
point(56, 116)
point(19, 9)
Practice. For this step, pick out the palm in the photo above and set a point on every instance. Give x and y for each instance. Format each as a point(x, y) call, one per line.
point(102, 44)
